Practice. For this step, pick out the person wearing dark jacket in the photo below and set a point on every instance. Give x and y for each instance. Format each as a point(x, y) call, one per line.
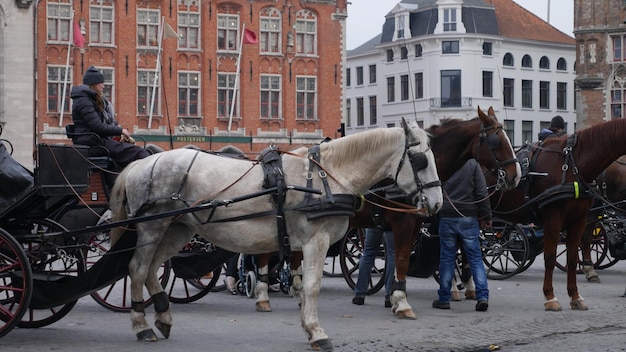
point(92, 113)
point(465, 208)
point(557, 127)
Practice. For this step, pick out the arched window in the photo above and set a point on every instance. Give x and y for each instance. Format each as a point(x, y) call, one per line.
point(561, 64)
point(527, 61)
point(507, 60)
point(544, 63)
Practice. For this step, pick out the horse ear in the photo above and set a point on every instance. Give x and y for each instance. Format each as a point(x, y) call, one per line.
point(405, 125)
point(491, 112)
point(483, 117)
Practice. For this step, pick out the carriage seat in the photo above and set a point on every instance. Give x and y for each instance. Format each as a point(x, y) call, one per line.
point(98, 155)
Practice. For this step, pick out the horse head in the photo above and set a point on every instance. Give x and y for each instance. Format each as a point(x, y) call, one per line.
point(494, 151)
point(420, 170)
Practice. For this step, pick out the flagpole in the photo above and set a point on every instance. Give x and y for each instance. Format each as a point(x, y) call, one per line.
point(232, 105)
point(157, 70)
point(70, 37)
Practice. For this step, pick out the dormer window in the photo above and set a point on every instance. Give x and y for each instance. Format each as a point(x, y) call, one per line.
point(449, 20)
point(400, 27)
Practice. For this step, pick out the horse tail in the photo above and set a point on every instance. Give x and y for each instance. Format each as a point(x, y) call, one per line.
point(118, 204)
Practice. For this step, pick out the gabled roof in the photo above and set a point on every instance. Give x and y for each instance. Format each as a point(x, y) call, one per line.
point(365, 47)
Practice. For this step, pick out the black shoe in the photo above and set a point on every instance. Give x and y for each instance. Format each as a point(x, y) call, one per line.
point(359, 301)
point(388, 302)
point(441, 305)
point(482, 305)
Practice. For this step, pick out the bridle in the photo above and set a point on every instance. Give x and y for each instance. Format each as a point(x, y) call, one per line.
point(419, 162)
point(493, 142)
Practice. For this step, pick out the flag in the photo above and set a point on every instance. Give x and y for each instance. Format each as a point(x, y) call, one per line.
point(79, 40)
point(249, 37)
point(169, 32)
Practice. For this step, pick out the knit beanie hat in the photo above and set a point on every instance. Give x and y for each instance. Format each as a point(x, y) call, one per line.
point(93, 76)
point(557, 122)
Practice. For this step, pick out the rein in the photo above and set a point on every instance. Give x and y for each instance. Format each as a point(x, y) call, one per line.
point(494, 144)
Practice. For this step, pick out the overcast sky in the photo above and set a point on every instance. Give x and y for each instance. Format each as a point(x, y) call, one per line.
point(366, 17)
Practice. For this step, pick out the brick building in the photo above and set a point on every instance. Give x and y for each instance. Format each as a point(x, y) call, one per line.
point(600, 32)
point(288, 90)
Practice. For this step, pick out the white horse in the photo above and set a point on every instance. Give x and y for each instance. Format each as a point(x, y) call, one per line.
point(241, 218)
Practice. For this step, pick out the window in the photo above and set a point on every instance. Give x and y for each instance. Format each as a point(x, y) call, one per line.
point(145, 86)
point(360, 113)
point(359, 76)
point(508, 90)
point(270, 38)
point(507, 60)
point(101, 24)
point(389, 55)
point(348, 77)
point(148, 28)
point(56, 82)
point(544, 95)
point(527, 94)
point(509, 128)
point(225, 95)
point(188, 93)
point(451, 88)
point(404, 53)
point(527, 61)
point(373, 111)
point(391, 89)
point(581, 53)
point(227, 32)
point(348, 108)
point(544, 63)
point(450, 47)
point(372, 73)
point(488, 48)
point(418, 50)
point(487, 84)
point(109, 83)
point(618, 48)
point(188, 30)
point(561, 64)
point(404, 87)
point(58, 22)
point(561, 95)
point(306, 32)
point(618, 100)
point(527, 131)
point(270, 96)
point(400, 27)
point(449, 20)
point(419, 85)
point(306, 89)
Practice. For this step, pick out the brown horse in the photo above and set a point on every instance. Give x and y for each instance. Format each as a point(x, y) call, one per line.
point(557, 195)
point(453, 142)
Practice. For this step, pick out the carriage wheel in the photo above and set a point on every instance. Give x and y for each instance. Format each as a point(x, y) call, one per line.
point(116, 297)
point(54, 257)
point(332, 267)
point(505, 249)
point(598, 250)
point(15, 290)
point(608, 260)
point(352, 246)
point(458, 271)
point(182, 290)
point(220, 284)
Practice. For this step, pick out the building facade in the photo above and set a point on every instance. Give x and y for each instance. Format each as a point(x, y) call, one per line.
point(437, 59)
point(600, 31)
point(17, 77)
point(286, 92)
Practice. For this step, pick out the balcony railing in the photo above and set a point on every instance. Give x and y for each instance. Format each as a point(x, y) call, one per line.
point(444, 103)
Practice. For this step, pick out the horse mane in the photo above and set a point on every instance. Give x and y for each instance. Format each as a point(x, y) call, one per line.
point(349, 148)
point(445, 122)
point(601, 138)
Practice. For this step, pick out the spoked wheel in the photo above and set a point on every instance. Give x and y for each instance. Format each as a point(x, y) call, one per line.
point(182, 290)
point(598, 249)
point(608, 225)
point(16, 282)
point(505, 249)
point(220, 284)
point(351, 251)
point(332, 267)
point(116, 297)
point(51, 259)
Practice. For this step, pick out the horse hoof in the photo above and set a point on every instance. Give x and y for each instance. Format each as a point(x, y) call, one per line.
point(405, 314)
point(322, 345)
point(470, 294)
point(147, 336)
point(164, 328)
point(594, 279)
point(263, 306)
point(553, 306)
point(578, 305)
point(456, 296)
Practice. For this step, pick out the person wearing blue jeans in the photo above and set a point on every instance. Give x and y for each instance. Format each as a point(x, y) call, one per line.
point(373, 238)
point(465, 208)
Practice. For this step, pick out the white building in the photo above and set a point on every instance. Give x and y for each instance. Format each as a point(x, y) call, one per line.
point(440, 59)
